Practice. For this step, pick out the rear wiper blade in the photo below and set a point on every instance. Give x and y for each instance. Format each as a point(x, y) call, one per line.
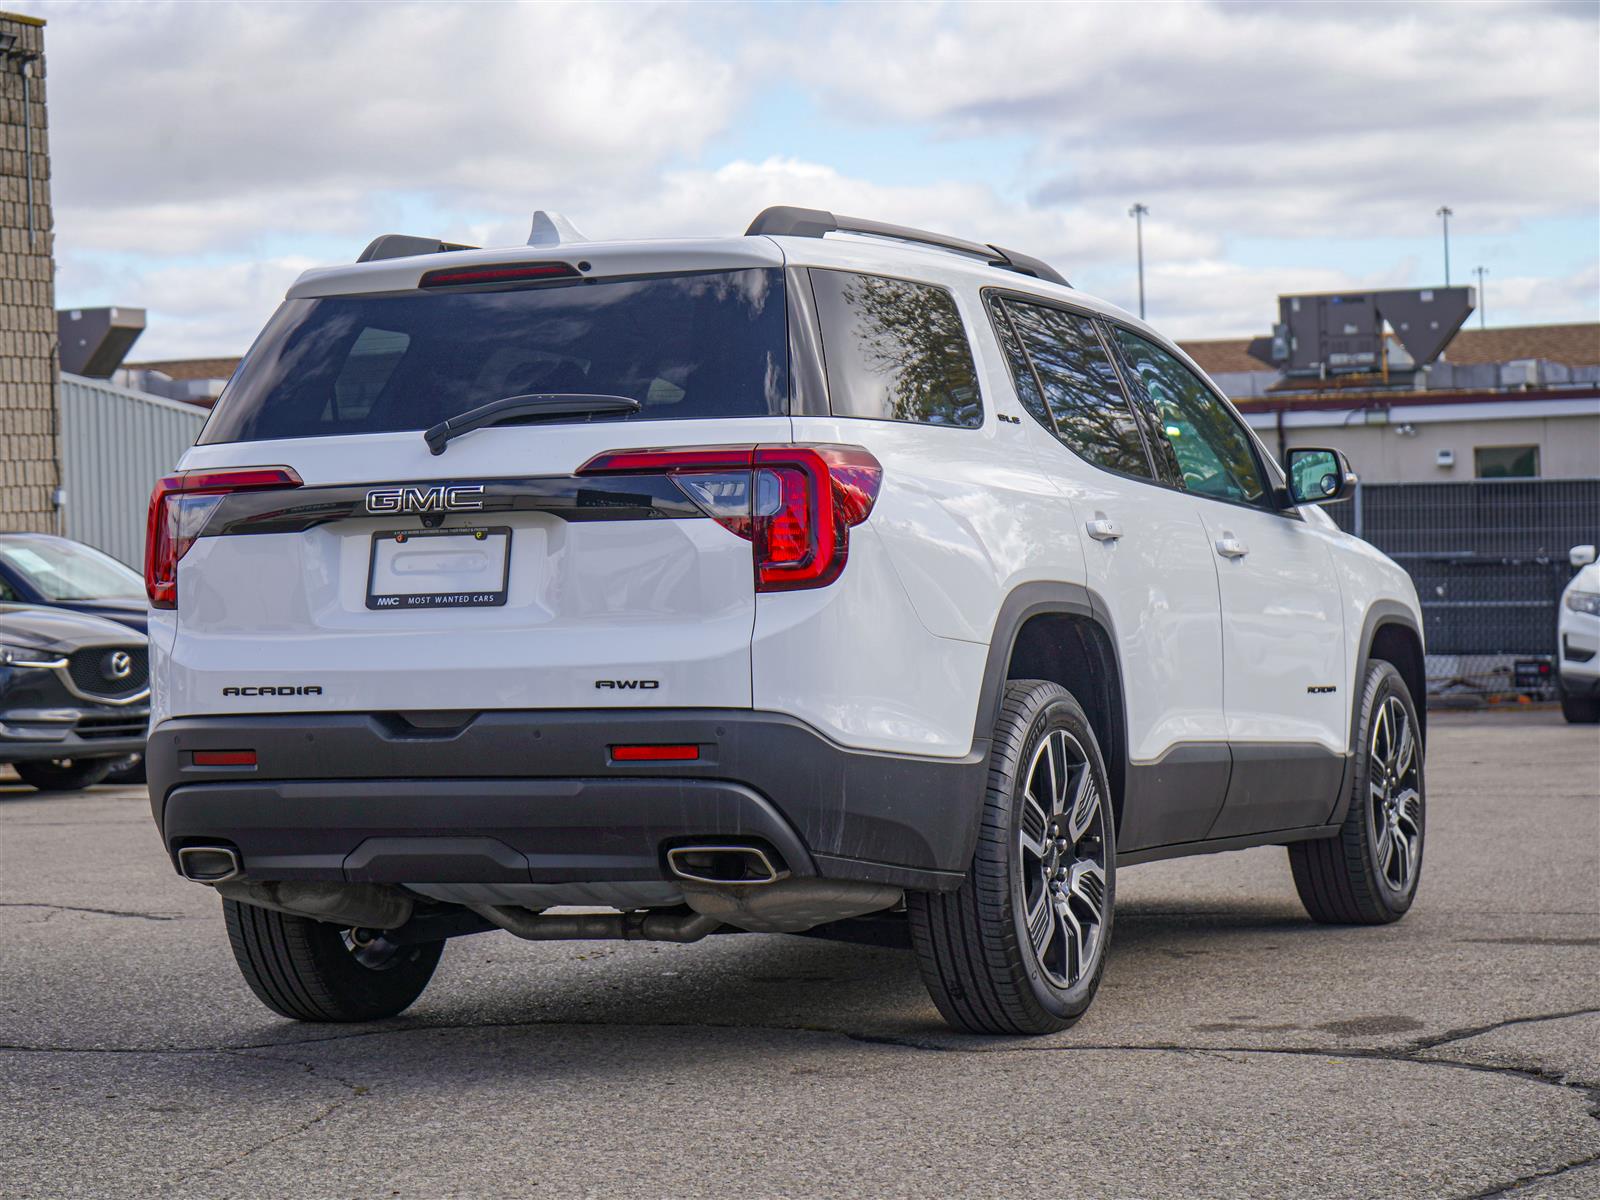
point(535, 406)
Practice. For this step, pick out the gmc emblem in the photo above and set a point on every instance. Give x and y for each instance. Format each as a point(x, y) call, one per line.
point(439, 497)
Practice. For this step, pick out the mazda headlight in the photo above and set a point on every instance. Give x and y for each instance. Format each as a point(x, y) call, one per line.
point(24, 656)
point(1584, 602)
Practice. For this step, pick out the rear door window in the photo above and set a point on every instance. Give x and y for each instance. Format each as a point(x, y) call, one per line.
point(1069, 365)
point(1214, 454)
point(895, 350)
point(702, 345)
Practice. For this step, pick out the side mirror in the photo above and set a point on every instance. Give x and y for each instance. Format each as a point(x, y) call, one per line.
point(1581, 556)
point(1318, 476)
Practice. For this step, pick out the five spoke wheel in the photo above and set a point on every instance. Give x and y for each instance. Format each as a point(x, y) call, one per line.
point(1061, 838)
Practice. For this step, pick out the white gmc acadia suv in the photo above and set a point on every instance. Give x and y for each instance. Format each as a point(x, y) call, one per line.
point(838, 577)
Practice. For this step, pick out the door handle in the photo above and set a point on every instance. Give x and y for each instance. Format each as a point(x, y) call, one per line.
point(1231, 547)
point(1103, 529)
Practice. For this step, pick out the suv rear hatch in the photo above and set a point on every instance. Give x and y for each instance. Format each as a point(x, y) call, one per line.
point(322, 556)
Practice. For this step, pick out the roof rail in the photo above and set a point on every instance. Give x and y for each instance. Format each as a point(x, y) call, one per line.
point(404, 245)
point(787, 221)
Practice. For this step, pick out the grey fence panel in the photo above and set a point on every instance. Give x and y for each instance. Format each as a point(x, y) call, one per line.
point(1489, 559)
point(115, 444)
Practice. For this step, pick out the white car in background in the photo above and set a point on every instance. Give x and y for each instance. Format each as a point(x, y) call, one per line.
point(1578, 640)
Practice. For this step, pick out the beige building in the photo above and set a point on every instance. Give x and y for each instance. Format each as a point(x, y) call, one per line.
point(29, 450)
point(1439, 443)
point(1500, 403)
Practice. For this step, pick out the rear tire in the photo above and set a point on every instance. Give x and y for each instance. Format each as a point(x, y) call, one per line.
point(1580, 710)
point(63, 774)
point(1367, 873)
point(311, 971)
point(1021, 945)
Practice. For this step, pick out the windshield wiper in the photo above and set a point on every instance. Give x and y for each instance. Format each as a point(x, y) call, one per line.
point(536, 406)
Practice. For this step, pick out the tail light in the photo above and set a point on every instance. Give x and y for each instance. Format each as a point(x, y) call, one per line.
point(796, 504)
point(179, 509)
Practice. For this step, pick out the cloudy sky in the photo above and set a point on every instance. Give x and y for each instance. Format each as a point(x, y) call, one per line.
point(206, 154)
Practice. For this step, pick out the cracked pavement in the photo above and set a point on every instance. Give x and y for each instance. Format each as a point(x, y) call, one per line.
point(1235, 1048)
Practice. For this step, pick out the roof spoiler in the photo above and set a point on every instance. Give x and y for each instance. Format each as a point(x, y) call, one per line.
point(787, 221)
point(404, 245)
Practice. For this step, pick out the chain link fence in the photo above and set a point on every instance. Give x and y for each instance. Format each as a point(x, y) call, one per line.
point(1489, 559)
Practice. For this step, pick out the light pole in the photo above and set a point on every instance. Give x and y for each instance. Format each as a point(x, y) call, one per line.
point(1444, 214)
point(1138, 212)
point(1483, 308)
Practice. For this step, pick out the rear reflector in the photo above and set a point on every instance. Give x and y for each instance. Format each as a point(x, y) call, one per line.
point(224, 758)
point(654, 753)
point(508, 273)
point(797, 505)
point(179, 508)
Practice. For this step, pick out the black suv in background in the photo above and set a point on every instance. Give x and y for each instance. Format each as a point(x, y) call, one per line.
point(74, 695)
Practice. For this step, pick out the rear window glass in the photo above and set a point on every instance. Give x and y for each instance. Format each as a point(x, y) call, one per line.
point(895, 350)
point(709, 344)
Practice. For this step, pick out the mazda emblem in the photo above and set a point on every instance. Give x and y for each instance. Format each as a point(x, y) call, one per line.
point(118, 664)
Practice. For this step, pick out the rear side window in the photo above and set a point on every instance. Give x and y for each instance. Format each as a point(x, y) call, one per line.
point(1080, 385)
point(1021, 369)
point(895, 351)
point(708, 344)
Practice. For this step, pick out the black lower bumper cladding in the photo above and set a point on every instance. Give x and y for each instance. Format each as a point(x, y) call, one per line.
point(536, 796)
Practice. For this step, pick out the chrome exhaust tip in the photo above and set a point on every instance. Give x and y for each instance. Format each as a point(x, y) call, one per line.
point(737, 865)
point(209, 864)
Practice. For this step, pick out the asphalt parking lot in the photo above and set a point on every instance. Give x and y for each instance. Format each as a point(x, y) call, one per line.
point(1234, 1050)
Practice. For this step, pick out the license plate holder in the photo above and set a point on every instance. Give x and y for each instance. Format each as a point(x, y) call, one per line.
point(439, 568)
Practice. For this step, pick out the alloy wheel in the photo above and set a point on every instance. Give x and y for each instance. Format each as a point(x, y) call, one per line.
point(1394, 789)
point(1062, 843)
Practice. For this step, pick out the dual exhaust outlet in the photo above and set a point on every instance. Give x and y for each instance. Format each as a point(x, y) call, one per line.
point(736, 886)
point(725, 865)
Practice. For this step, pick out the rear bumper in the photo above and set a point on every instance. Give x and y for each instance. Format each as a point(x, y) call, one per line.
point(534, 797)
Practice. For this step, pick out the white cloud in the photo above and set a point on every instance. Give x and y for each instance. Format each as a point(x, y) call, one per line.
point(1535, 301)
point(1298, 120)
point(221, 121)
point(201, 310)
point(725, 199)
point(201, 152)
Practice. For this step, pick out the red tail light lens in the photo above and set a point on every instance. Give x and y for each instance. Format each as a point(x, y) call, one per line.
point(797, 504)
point(179, 509)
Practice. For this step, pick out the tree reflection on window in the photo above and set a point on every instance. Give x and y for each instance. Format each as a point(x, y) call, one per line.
point(895, 351)
point(1081, 387)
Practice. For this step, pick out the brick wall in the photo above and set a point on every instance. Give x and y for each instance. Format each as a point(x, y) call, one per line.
point(29, 455)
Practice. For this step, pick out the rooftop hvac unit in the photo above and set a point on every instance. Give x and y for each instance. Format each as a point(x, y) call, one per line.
point(94, 341)
point(1343, 333)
